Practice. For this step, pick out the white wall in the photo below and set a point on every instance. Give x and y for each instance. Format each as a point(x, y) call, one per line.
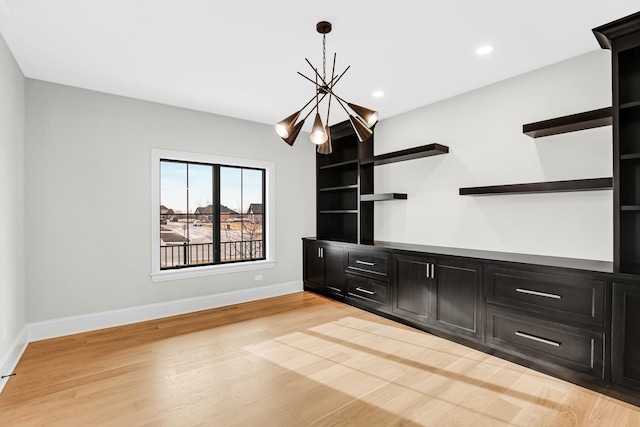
point(88, 198)
point(483, 130)
point(12, 262)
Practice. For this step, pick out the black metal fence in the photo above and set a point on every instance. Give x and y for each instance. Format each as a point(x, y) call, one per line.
point(204, 253)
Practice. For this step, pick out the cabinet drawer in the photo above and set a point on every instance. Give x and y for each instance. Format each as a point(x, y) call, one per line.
point(364, 288)
point(570, 298)
point(369, 262)
point(538, 340)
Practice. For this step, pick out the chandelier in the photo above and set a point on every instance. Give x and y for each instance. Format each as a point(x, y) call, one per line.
point(289, 128)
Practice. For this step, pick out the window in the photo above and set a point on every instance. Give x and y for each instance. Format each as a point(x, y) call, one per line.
point(210, 215)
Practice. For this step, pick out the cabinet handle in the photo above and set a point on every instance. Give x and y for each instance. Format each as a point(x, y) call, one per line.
point(538, 294)
point(538, 339)
point(370, 264)
point(431, 271)
point(366, 291)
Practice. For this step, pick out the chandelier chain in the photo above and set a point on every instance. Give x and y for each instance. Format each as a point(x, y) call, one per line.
point(324, 57)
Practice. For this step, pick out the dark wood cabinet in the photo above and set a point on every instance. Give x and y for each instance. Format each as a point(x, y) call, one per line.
point(457, 302)
point(546, 343)
point(574, 319)
point(576, 298)
point(368, 291)
point(367, 276)
point(625, 345)
point(439, 292)
point(413, 287)
point(323, 268)
point(553, 317)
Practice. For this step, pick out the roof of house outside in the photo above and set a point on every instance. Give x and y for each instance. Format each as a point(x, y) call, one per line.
point(255, 208)
point(208, 210)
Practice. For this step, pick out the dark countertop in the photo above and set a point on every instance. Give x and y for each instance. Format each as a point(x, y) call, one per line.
point(542, 260)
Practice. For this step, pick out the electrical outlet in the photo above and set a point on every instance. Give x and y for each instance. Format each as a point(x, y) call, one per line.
point(258, 276)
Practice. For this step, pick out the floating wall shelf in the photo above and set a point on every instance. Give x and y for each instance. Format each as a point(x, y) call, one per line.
point(408, 154)
point(571, 123)
point(382, 197)
point(542, 187)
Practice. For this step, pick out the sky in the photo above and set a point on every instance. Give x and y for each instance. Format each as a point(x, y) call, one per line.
point(239, 187)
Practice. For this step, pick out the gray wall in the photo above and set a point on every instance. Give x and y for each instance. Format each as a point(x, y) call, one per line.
point(483, 129)
point(88, 198)
point(12, 169)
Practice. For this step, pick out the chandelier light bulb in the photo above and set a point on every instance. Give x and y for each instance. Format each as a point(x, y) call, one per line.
point(284, 127)
point(318, 132)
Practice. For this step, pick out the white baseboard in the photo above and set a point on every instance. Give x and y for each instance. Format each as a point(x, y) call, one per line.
point(89, 322)
point(10, 360)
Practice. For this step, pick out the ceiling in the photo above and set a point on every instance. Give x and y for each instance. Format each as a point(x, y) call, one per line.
point(240, 58)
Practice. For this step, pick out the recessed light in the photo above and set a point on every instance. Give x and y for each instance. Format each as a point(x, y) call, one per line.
point(483, 50)
point(378, 94)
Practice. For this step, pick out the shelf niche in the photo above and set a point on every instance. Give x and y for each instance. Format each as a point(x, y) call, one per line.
point(592, 184)
point(574, 122)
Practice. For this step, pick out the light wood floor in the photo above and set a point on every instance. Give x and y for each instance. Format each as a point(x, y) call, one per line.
point(296, 360)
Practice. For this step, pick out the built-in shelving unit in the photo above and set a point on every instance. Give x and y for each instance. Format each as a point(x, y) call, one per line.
point(571, 123)
point(408, 154)
point(382, 197)
point(542, 187)
point(344, 184)
point(340, 181)
point(623, 38)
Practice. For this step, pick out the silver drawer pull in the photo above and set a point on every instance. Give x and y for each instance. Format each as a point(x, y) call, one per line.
point(370, 264)
point(534, 338)
point(538, 294)
point(366, 291)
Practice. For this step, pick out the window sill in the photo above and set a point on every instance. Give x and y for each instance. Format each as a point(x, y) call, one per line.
point(210, 270)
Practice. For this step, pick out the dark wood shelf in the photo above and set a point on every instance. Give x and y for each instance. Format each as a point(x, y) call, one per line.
point(408, 154)
point(337, 165)
point(382, 197)
point(542, 187)
point(339, 211)
point(574, 122)
point(627, 105)
point(630, 156)
point(339, 188)
point(630, 208)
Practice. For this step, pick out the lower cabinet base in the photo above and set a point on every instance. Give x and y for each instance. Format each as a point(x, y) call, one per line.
point(556, 362)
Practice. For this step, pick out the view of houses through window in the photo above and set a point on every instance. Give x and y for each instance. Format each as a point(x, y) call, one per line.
point(210, 214)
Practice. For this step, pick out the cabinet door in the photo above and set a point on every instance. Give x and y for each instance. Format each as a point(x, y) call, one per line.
point(412, 287)
point(458, 297)
point(625, 345)
point(333, 269)
point(313, 271)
